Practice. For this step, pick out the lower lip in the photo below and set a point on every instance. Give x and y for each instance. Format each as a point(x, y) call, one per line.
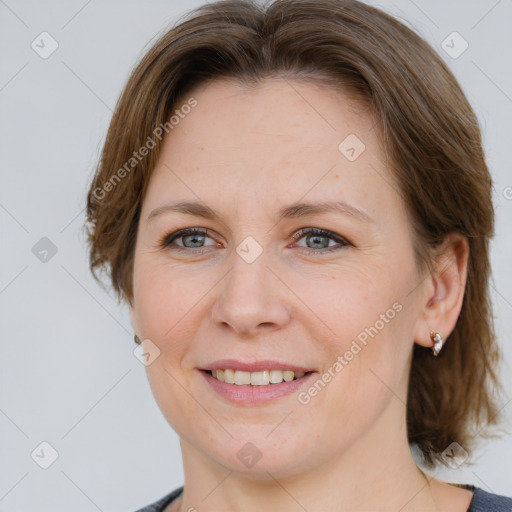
point(253, 395)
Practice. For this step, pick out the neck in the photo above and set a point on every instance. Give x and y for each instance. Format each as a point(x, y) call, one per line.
point(377, 472)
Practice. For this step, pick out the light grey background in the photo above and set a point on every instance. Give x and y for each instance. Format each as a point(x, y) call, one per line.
point(67, 372)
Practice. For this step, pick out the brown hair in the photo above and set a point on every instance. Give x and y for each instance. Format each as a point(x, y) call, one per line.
point(429, 131)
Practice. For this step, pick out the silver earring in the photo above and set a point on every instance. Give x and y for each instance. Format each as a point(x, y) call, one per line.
point(136, 339)
point(438, 341)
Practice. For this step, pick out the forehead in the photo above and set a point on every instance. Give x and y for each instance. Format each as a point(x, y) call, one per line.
point(275, 108)
point(279, 139)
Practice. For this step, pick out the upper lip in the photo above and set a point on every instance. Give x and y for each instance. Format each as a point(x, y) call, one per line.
point(255, 366)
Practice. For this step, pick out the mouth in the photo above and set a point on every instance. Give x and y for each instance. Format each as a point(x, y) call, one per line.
point(259, 378)
point(254, 383)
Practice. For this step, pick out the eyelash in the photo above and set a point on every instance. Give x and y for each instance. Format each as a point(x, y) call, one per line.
point(168, 239)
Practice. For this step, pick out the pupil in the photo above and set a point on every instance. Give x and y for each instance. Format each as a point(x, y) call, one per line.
point(317, 237)
point(196, 239)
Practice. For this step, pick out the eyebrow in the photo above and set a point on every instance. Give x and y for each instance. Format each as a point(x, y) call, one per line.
point(292, 211)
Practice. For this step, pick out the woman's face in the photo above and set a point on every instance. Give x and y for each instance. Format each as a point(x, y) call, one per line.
point(259, 291)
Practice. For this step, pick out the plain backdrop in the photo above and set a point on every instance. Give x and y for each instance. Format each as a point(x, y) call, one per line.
point(68, 376)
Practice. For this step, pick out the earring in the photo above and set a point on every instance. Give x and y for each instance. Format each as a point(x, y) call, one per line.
point(438, 341)
point(136, 339)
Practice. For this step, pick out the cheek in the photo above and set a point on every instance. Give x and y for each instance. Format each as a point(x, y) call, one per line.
point(366, 321)
point(163, 301)
point(367, 372)
point(350, 302)
point(167, 308)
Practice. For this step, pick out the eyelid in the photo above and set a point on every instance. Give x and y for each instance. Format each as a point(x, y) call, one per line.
point(340, 240)
point(320, 232)
point(168, 239)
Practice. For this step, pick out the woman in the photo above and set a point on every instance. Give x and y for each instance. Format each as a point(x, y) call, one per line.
point(294, 202)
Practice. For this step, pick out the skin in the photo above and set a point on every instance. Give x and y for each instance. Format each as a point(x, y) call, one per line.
point(247, 153)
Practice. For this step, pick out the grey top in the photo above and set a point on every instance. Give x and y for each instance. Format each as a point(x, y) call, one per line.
point(482, 501)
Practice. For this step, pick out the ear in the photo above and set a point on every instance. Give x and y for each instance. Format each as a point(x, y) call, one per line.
point(134, 320)
point(443, 290)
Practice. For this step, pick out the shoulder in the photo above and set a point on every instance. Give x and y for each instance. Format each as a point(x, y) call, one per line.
point(485, 502)
point(159, 506)
point(482, 502)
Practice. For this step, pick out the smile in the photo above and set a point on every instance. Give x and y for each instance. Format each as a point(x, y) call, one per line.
point(261, 378)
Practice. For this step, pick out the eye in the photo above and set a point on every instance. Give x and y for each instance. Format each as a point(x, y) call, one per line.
point(320, 239)
point(192, 238)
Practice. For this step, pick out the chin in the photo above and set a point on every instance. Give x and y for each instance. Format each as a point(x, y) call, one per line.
point(256, 454)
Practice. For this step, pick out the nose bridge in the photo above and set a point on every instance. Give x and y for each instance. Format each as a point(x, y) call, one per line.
point(251, 295)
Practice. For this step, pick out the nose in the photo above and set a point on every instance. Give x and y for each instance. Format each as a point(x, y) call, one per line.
point(252, 298)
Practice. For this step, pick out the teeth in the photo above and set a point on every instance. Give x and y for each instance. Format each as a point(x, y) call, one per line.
point(229, 376)
point(287, 375)
point(242, 378)
point(276, 376)
point(262, 378)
